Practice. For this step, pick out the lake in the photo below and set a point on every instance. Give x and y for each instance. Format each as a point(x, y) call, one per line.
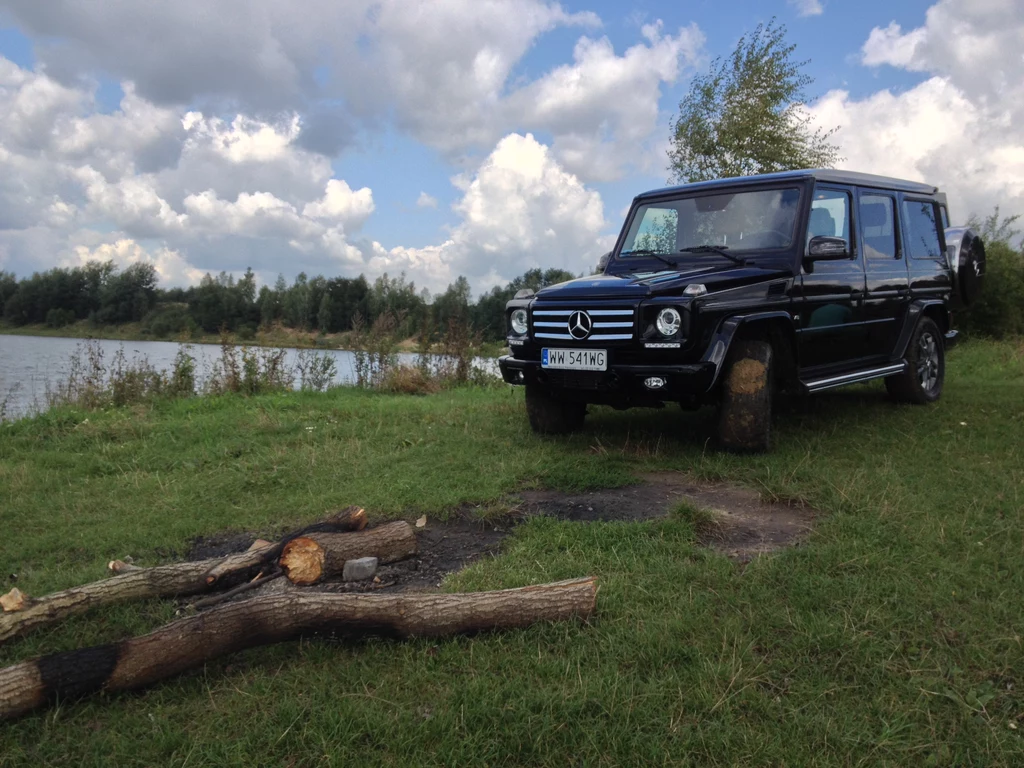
point(29, 365)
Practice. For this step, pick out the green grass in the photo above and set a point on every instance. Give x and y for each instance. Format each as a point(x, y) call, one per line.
point(893, 636)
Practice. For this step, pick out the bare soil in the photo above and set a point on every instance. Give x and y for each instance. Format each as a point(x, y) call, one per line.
point(743, 527)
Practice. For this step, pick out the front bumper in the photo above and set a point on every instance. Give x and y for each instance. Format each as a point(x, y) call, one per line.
point(681, 381)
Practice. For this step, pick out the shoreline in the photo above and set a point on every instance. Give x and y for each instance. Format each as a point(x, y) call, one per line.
point(276, 338)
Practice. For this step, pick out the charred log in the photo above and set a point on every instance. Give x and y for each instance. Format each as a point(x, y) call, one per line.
point(231, 627)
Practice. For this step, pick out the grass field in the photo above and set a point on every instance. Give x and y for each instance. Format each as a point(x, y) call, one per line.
point(892, 637)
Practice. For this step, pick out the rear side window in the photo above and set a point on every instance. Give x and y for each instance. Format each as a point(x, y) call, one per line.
point(877, 217)
point(922, 230)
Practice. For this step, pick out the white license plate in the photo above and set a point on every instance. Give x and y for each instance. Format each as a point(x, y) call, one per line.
point(575, 359)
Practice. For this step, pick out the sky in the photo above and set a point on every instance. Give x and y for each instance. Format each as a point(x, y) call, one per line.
point(440, 138)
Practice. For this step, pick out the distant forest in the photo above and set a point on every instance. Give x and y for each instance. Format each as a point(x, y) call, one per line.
point(101, 294)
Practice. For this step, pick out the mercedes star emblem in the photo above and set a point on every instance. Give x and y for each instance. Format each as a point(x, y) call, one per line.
point(580, 325)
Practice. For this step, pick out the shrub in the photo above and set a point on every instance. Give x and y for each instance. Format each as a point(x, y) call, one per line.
point(132, 381)
point(999, 310)
point(409, 380)
point(316, 370)
point(182, 381)
point(91, 384)
point(5, 402)
point(58, 318)
point(375, 347)
point(167, 320)
point(249, 371)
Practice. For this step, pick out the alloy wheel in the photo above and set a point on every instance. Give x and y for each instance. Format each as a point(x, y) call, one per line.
point(927, 361)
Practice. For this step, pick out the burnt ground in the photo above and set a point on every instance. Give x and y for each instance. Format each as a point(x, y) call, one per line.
point(741, 526)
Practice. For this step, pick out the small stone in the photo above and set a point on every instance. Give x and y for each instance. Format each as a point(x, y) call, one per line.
point(359, 569)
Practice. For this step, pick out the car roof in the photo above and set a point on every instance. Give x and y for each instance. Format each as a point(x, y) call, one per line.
point(818, 174)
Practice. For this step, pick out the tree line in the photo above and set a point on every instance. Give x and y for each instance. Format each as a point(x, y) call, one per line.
point(102, 294)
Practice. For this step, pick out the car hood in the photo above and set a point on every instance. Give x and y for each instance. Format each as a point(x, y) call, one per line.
point(667, 282)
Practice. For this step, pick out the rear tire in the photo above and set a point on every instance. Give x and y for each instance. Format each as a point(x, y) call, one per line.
point(921, 383)
point(745, 417)
point(549, 416)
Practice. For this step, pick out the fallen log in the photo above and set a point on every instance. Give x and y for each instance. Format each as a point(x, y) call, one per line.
point(173, 580)
point(231, 627)
point(313, 557)
point(351, 519)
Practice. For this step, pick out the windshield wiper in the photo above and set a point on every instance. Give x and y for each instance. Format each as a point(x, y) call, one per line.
point(648, 252)
point(721, 250)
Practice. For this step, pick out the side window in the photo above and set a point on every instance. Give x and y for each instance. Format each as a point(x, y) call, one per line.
point(922, 230)
point(877, 219)
point(830, 215)
point(945, 217)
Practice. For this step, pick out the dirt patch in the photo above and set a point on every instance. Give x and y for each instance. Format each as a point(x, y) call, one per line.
point(742, 527)
point(444, 547)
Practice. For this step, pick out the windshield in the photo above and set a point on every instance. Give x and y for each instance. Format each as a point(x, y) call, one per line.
point(735, 221)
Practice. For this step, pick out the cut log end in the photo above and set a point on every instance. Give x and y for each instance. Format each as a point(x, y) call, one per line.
point(15, 600)
point(354, 518)
point(303, 561)
point(317, 556)
point(121, 566)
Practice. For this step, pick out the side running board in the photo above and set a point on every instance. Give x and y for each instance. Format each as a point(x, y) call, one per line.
point(854, 378)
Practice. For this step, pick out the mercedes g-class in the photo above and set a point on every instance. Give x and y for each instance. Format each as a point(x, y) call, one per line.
point(723, 291)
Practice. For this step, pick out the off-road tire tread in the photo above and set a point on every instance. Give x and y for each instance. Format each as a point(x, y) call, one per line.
point(549, 416)
point(745, 415)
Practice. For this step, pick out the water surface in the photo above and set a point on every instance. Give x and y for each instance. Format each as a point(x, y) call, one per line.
point(32, 365)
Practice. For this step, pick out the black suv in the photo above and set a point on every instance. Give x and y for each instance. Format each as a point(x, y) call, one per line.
point(722, 291)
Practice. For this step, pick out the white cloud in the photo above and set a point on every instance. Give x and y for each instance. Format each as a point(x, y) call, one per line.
point(340, 204)
point(244, 192)
point(891, 46)
point(808, 7)
point(171, 267)
point(426, 201)
point(442, 72)
point(521, 210)
point(976, 45)
point(963, 127)
point(602, 108)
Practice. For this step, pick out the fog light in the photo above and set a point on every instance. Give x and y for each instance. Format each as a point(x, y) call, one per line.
point(654, 382)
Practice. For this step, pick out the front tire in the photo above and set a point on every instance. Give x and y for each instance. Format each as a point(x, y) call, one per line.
point(921, 383)
point(745, 417)
point(549, 416)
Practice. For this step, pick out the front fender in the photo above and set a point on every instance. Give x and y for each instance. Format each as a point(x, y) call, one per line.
point(718, 348)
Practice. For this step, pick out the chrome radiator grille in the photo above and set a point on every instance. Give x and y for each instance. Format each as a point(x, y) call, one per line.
point(606, 324)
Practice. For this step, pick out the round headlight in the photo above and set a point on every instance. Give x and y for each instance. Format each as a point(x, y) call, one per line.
point(669, 321)
point(519, 321)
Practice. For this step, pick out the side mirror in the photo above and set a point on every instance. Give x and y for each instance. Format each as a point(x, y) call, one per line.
point(824, 248)
point(602, 263)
